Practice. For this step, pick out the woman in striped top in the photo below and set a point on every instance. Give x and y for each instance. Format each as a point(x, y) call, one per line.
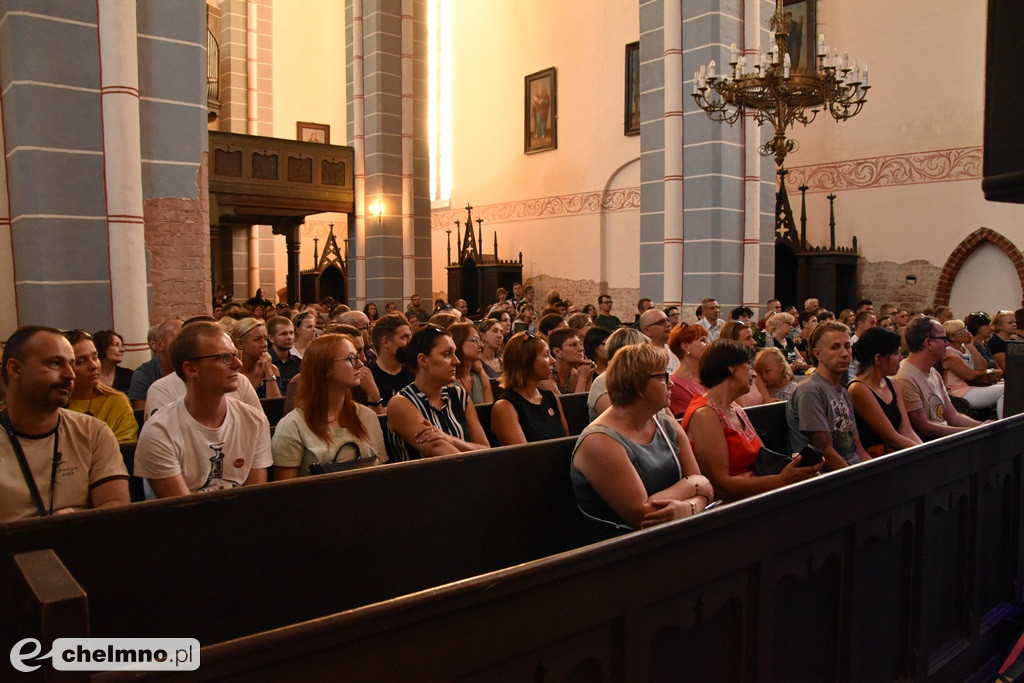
point(434, 415)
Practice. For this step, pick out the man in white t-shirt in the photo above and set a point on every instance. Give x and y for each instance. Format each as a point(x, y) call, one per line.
point(931, 413)
point(206, 441)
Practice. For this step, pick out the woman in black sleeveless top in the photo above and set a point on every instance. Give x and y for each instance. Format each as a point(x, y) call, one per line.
point(882, 422)
point(525, 412)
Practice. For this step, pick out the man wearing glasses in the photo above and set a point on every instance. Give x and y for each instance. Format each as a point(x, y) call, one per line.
point(170, 388)
point(654, 323)
point(361, 322)
point(205, 441)
point(604, 317)
point(931, 413)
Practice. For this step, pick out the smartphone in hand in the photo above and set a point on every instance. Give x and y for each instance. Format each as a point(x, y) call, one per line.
point(810, 456)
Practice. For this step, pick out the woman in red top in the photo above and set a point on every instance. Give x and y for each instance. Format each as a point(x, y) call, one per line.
point(723, 439)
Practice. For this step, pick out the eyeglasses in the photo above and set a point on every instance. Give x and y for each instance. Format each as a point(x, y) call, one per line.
point(353, 359)
point(661, 376)
point(475, 340)
point(225, 358)
point(943, 338)
point(664, 322)
point(363, 328)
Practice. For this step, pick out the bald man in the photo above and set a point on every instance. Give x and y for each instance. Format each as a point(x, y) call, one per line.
point(159, 338)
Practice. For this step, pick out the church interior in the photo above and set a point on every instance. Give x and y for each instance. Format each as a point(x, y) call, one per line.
point(370, 150)
point(117, 216)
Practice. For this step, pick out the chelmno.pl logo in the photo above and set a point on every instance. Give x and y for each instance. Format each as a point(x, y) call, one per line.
point(109, 654)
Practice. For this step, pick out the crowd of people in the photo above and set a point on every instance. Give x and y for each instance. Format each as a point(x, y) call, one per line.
point(668, 435)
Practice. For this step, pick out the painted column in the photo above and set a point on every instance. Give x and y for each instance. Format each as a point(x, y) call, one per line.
point(251, 44)
point(751, 175)
point(122, 174)
point(357, 258)
point(408, 240)
point(8, 314)
point(674, 229)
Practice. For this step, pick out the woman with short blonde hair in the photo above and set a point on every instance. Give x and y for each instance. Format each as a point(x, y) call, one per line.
point(250, 338)
point(633, 467)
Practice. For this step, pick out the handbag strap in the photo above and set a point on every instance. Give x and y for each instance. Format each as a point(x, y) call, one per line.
point(359, 453)
point(26, 472)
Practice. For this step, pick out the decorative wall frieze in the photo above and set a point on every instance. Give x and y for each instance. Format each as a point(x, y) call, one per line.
point(964, 163)
point(624, 199)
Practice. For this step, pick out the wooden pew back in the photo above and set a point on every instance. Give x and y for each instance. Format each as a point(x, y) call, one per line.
point(224, 565)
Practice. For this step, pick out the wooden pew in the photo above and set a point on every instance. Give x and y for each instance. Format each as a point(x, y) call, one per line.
point(464, 567)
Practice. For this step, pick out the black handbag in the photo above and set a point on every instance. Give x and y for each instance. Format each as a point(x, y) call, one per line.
point(770, 462)
point(335, 466)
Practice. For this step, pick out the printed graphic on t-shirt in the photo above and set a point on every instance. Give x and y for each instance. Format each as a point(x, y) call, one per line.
point(216, 480)
point(842, 430)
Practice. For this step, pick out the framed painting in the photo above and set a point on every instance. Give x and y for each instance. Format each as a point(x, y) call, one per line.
point(632, 112)
point(313, 132)
point(802, 33)
point(541, 112)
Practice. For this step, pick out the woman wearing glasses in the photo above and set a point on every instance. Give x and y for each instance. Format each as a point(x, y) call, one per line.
point(468, 348)
point(250, 337)
point(327, 424)
point(724, 442)
point(526, 413)
point(632, 467)
point(93, 397)
point(433, 415)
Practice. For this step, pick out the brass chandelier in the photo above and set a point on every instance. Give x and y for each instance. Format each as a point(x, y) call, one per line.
point(773, 92)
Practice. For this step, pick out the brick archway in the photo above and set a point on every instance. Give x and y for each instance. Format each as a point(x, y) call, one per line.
point(959, 256)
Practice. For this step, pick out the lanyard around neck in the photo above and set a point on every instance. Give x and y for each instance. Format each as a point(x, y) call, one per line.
point(30, 481)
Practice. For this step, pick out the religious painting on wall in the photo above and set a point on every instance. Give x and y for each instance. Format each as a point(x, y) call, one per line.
point(541, 112)
point(313, 132)
point(802, 34)
point(632, 119)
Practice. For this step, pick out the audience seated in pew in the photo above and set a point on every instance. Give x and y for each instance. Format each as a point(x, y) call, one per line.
point(723, 440)
point(171, 387)
point(882, 422)
point(594, 348)
point(470, 373)
point(1004, 329)
point(159, 338)
point(493, 339)
point(206, 441)
point(597, 398)
point(327, 424)
point(819, 412)
point(433, 415)
point(110, 347)
point(72, 459)
point(688, 343)
point(524, 412)
point(92, 397)
point(633, 466)
point(775, 373)
point(573, 371)
point(931, 413)
point(250, 338)
point(966, 374)
point(389, 334)
point(744, 333)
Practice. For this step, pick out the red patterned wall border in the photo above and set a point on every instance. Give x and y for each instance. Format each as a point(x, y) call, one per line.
point(903, 169)
point(625, 199)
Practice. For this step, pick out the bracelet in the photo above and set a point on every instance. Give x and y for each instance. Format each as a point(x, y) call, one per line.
point(378, 402)
point(268, 379)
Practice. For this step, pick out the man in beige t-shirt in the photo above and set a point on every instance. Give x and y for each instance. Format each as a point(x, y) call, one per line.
point(931, 413)
point(73, 458)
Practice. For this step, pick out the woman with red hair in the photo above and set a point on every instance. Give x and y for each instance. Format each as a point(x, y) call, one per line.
point(688, 343)
point(326, 425)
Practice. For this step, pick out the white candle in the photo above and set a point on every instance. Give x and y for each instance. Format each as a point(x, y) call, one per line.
point(732, 53)
point(821, 44)
point(786, 63)
point(846, 60)
point(742, 66)
point(696, 77)
point(864, 76)
point(711, 69)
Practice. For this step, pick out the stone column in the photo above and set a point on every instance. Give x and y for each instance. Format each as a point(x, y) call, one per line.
point(383, 121)
point(122, 173)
